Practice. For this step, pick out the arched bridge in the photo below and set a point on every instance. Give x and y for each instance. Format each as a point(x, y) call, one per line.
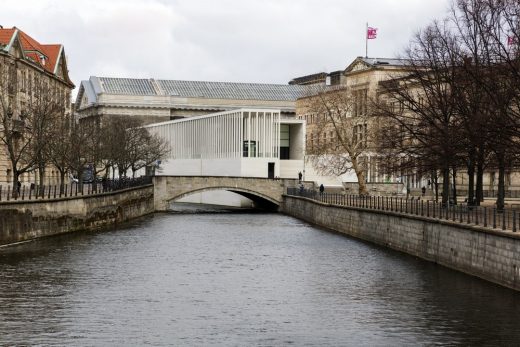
point(264, 192)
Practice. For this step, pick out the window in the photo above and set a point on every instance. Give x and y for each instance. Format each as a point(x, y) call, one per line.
point(360, 102)
point(249, 149)
point(359, 134)
point(284, 141)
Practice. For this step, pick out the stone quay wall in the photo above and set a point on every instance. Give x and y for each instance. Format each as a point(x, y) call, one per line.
point(493, 255)
point(26, 220)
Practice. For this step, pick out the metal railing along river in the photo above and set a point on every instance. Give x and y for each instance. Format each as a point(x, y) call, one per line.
point(483, 216)
point(35, 192)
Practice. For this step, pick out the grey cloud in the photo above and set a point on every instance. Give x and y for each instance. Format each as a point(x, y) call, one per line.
point(229, 40)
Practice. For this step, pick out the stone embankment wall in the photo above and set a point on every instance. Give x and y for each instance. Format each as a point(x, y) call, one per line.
point(493, 255)
point(26, 220)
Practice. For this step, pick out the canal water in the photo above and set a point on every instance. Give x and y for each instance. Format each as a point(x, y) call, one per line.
point(240, 279)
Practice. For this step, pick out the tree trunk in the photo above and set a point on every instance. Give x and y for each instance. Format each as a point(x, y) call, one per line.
point(471, 180)
point(434, 185)
point(479, 196)
point(360, 174)
point(436, 182)
point(79, 185)
point(14, 193)
point(41, 179)
point(94, 178)
point(501, 182)
point(445, 185)
point(62, 181)
point(454, 185)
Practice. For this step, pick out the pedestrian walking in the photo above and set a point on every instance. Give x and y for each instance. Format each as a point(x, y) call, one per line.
point(322, 188)
point(300, 176)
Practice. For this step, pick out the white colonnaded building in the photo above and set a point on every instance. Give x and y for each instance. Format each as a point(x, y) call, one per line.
point(238, 143)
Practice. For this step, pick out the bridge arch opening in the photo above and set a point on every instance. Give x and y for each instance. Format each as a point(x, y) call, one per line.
point(258, 200)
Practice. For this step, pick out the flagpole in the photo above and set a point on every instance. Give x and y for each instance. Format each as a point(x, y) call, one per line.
point(366, 41)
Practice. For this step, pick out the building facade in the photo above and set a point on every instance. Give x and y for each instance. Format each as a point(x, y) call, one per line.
point(155, 101)
point(351, 93)
point(241, 143)
point(27, 69)
point(238, 143)
point(364, 83)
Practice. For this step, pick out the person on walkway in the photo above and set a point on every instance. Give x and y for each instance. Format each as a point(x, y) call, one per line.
point(18, 186)
point(300, 176)
point(322, 188)
point(423, 190)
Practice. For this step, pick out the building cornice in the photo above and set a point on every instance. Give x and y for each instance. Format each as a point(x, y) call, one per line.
point(37, 68)
point(175, 107)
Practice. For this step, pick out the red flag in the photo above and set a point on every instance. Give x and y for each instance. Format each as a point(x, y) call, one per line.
point(371, 33)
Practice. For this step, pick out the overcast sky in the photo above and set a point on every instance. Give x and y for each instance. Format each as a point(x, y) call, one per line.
point(266, 41)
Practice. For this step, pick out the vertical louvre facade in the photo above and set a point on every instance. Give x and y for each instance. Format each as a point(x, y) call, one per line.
point(246, 133)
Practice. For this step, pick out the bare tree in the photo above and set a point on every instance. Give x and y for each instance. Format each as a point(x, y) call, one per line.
point(15, 132)
point(43, 111)
point(120, 140)
point(126, 145)
point(340, 138)
point(461, 102)
point(81, 136)
point(420, 108)
point(60, 147)
point(150, 149)
point(488, 32)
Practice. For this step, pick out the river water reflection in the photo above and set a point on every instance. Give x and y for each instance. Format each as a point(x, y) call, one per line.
point(240, 279)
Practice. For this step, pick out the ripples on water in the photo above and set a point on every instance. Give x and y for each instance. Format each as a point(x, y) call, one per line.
point(238, 280)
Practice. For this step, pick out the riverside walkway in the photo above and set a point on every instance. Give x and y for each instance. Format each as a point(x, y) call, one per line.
point(482, 216)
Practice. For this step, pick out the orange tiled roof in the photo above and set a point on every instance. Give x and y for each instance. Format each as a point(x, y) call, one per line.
point(6, 35)
point(44, 55)
point(52, 52)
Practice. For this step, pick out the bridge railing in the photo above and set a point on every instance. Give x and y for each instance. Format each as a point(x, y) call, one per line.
point(484, 216)
point(35, 192)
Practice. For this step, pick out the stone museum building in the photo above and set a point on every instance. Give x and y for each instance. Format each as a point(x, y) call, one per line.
point(157, 100)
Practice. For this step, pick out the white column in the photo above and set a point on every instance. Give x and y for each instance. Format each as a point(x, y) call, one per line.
point(220, 134)
point(223, 136)
point(241, 132)
point(263, 136)
point(234, 136)
point(228, 136)
point(271, 135)
point(249, 135)
point(238, 122)
point(256, 132)
point(203, 144)
point(183, 140)
point(277, 136)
